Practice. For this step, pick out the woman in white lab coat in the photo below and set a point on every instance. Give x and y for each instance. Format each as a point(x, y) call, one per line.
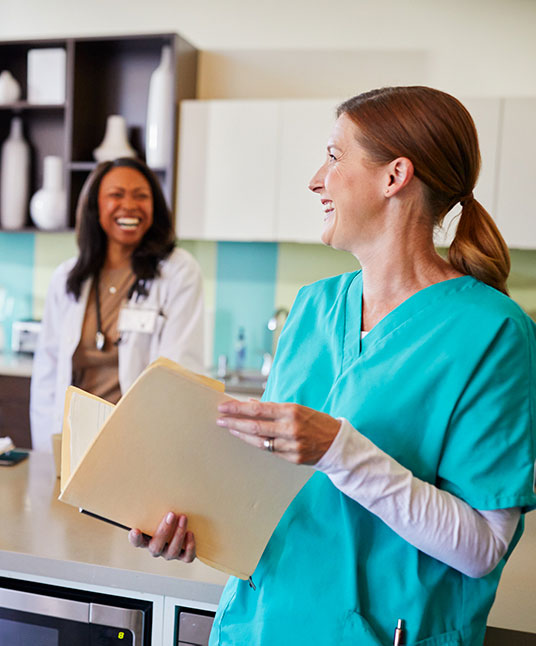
point(129, 297)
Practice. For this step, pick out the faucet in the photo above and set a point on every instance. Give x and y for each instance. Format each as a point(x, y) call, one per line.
point(275, 325)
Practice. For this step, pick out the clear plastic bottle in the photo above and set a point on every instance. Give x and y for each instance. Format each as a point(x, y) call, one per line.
point(240, 350)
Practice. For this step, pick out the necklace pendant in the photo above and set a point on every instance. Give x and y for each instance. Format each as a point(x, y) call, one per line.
point(99, 340)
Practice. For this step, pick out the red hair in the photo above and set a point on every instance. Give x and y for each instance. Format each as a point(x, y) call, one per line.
point(437, 133)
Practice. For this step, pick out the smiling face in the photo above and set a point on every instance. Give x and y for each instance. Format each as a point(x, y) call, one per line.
point(350, 188)
point(125, 207)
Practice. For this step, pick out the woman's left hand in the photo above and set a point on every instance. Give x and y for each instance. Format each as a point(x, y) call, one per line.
point(300, 434)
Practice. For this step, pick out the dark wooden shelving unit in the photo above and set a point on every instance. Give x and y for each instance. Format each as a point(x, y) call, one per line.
point(104, 75)
point(82, 166)
point(23, 106)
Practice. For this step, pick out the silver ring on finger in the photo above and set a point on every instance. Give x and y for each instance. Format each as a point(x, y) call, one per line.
point(269, 444)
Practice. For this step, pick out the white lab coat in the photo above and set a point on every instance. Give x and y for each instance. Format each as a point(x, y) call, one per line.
point(178, 297)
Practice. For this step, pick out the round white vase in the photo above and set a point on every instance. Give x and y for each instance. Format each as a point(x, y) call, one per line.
point(14, 178)
point(160, 113)
point(115, 143)
point(9, 88)
point(48, 207)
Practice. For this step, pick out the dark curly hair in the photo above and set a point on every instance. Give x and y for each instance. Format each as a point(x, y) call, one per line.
point(156, 244)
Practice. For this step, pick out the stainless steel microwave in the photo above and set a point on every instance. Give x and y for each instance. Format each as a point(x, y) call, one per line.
point(43, 615)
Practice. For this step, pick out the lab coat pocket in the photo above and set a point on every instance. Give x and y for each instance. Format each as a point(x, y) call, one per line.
point(357, 630)
point(452, 638)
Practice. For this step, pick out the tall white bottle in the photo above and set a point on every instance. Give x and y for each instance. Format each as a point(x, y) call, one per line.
point(14, 178)
point(160, 113)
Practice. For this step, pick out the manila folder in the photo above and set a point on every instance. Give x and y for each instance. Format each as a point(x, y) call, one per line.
point(159, 449)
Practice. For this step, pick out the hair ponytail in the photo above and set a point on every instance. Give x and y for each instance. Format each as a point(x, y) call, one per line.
point(438, 134)
point(478, 248)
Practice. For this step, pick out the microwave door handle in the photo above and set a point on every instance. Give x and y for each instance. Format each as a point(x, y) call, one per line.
point(43, 605)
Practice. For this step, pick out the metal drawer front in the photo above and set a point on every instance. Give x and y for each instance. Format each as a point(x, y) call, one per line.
point(194, 629)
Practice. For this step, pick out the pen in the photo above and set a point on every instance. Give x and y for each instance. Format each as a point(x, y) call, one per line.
point(400, 634)
point(111, 522)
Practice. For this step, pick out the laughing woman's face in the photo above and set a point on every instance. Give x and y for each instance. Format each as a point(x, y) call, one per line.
point(350, 188)
point(125, 206)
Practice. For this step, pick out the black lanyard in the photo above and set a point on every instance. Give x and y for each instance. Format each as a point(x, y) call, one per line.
point(138, 287)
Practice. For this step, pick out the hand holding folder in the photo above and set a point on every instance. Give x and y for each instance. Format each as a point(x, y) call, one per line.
point(160, 449)
point(172, 539)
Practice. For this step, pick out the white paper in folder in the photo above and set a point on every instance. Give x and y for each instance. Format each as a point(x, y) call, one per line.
point(160, 449)
point(89, 415)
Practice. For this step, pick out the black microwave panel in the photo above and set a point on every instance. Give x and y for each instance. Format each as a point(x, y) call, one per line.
point(30, 629)
point(23, 628)
point(106, 636)
point(16, 633)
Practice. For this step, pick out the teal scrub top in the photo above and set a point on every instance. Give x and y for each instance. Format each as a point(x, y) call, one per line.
point(445, 385)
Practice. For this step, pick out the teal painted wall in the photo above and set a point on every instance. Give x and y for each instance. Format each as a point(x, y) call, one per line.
point(16, 281)
point(244, 283)
point(245, 292)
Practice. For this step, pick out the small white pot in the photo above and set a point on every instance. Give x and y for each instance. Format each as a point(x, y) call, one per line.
point(115, 143)
point(9, 88)
point(48, 207)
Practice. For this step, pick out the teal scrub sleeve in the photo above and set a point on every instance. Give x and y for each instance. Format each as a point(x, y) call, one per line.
point(489, 452)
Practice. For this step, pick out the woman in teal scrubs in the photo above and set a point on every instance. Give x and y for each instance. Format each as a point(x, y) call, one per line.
point(409, 385)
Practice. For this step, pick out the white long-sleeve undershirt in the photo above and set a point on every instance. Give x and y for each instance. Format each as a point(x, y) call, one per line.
point(432, 520)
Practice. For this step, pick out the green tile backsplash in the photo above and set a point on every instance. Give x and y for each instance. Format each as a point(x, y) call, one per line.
point(272, 273)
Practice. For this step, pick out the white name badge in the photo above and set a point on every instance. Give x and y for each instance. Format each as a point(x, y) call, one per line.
point(136, 319)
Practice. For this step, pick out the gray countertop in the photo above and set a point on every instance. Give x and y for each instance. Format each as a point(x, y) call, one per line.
point(16, 365)
point(41, 536)
point(44, 537)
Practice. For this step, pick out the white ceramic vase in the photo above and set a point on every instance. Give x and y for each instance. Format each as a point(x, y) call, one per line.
point(48, 207)
point(115, 143)
point(14, 178)
point(9, 88)
point(160, 112)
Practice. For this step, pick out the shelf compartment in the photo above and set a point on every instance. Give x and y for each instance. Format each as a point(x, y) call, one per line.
point(112, 78)
point(44, 131)
point(14, 57)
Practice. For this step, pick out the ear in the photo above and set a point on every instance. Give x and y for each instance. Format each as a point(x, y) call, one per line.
point(399, 174)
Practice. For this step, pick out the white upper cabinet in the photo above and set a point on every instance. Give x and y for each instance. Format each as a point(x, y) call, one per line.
point(516, 205)
point(486, 114)
point(245, 165)
point(305, 129)
point(244, 168)
point(227, 170)
point(192, 175)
